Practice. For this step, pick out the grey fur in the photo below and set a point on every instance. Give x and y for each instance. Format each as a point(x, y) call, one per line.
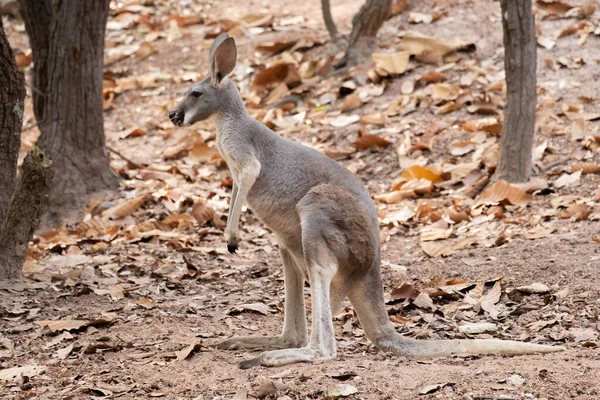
point(326, 225)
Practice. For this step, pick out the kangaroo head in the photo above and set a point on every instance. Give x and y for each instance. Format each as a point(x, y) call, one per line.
point(202, 99)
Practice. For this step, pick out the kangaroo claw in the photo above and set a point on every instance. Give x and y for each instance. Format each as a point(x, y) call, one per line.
point(232, 247)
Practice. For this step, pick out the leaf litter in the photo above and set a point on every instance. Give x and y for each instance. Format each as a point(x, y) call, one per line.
point(161, 235)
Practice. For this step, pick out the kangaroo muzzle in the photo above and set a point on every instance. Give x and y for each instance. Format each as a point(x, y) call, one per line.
point(176, 116)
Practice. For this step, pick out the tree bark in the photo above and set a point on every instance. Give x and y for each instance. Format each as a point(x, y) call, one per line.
point(25, 212)
point(12, 95)
point(520, 66)
point(365, 25)
point(329, 22)
point(67, 40)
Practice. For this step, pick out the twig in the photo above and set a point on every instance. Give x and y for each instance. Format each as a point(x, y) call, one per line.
point(554, 163)
point(136, 165)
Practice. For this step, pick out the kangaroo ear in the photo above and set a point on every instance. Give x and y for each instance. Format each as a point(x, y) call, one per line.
point(223, 54)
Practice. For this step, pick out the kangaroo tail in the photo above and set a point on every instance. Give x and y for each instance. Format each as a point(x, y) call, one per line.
point(367, 298)
point(400, 345)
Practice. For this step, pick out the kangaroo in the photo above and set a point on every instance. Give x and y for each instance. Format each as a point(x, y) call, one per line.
point(324, 221)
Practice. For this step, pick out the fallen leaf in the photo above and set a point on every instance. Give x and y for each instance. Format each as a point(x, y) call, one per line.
point(438, 230)
point(489, 300)
point(586, 168)
point(12, 374)
point(202, 213)
point(578, 212)
point(391, 63)
point(351, 102)
point(406, 291)
point(373, 119)
point(502, 192)
point(260, 308)
point(147, 303)
point(431, 388)
point(367, 141)
point(534, 288)
point(344, 120)
point(445, 91)
point(274, 74)
point(126, 208)
point(275, 47)
point(437, 249)
point(64, 352)
point(419, 172)
point(424, 301)
point(63, 325)
point(187, 351)
point(567, 179)
point(340, 390)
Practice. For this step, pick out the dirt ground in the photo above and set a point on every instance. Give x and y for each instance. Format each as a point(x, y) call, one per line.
point(151, 303)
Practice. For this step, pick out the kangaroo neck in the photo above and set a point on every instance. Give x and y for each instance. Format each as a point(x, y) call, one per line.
point(231, 107)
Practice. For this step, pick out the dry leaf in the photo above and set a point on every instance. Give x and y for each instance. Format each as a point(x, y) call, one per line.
point(586, 168)
point(15, 373)
point(187, 351)
point(373, 119)
point(489, 300)
point(261, 308)
point(436, 249)
point(490, 125)
point(147, 303)
point(436, 231)
point(274, 74)
point(367, 141)
point(202, 213)
point(344, 120)
point(351, 102)
point(432, 77)
point(406, 291)
point(64, 353)
point(126, 208)
point(424, 301)
point(567, 179)
point(276, 46)
point(504, 192)
point(395, 196)
point(63, 325)
point(174, 31)
point(578, 212)
point(419, 172)
point(534, 288)
point(391, 63)
point(445, 91)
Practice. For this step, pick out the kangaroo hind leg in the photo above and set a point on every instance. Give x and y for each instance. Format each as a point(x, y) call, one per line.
point(322, 267)
point(295, 333)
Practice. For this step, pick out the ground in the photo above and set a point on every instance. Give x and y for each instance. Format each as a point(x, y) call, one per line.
point(126, 302)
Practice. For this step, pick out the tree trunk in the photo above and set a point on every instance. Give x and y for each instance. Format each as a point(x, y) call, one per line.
point(365, 25)
point(12, 95)
point(520, 66)
point(25, 212)
point(329, 22)
point(67, 40)
point(20, 216)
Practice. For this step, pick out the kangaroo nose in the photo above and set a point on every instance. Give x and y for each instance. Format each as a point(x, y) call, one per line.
point(176, 116)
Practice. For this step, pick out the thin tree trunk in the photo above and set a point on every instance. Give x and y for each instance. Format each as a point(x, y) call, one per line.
point(329, 22)
point(69, 36)
point(12, 95)
point(520, 65)
point(365, 25)
point(28, 205)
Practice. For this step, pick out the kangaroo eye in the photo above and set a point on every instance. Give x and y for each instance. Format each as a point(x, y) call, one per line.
point(196, 94)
